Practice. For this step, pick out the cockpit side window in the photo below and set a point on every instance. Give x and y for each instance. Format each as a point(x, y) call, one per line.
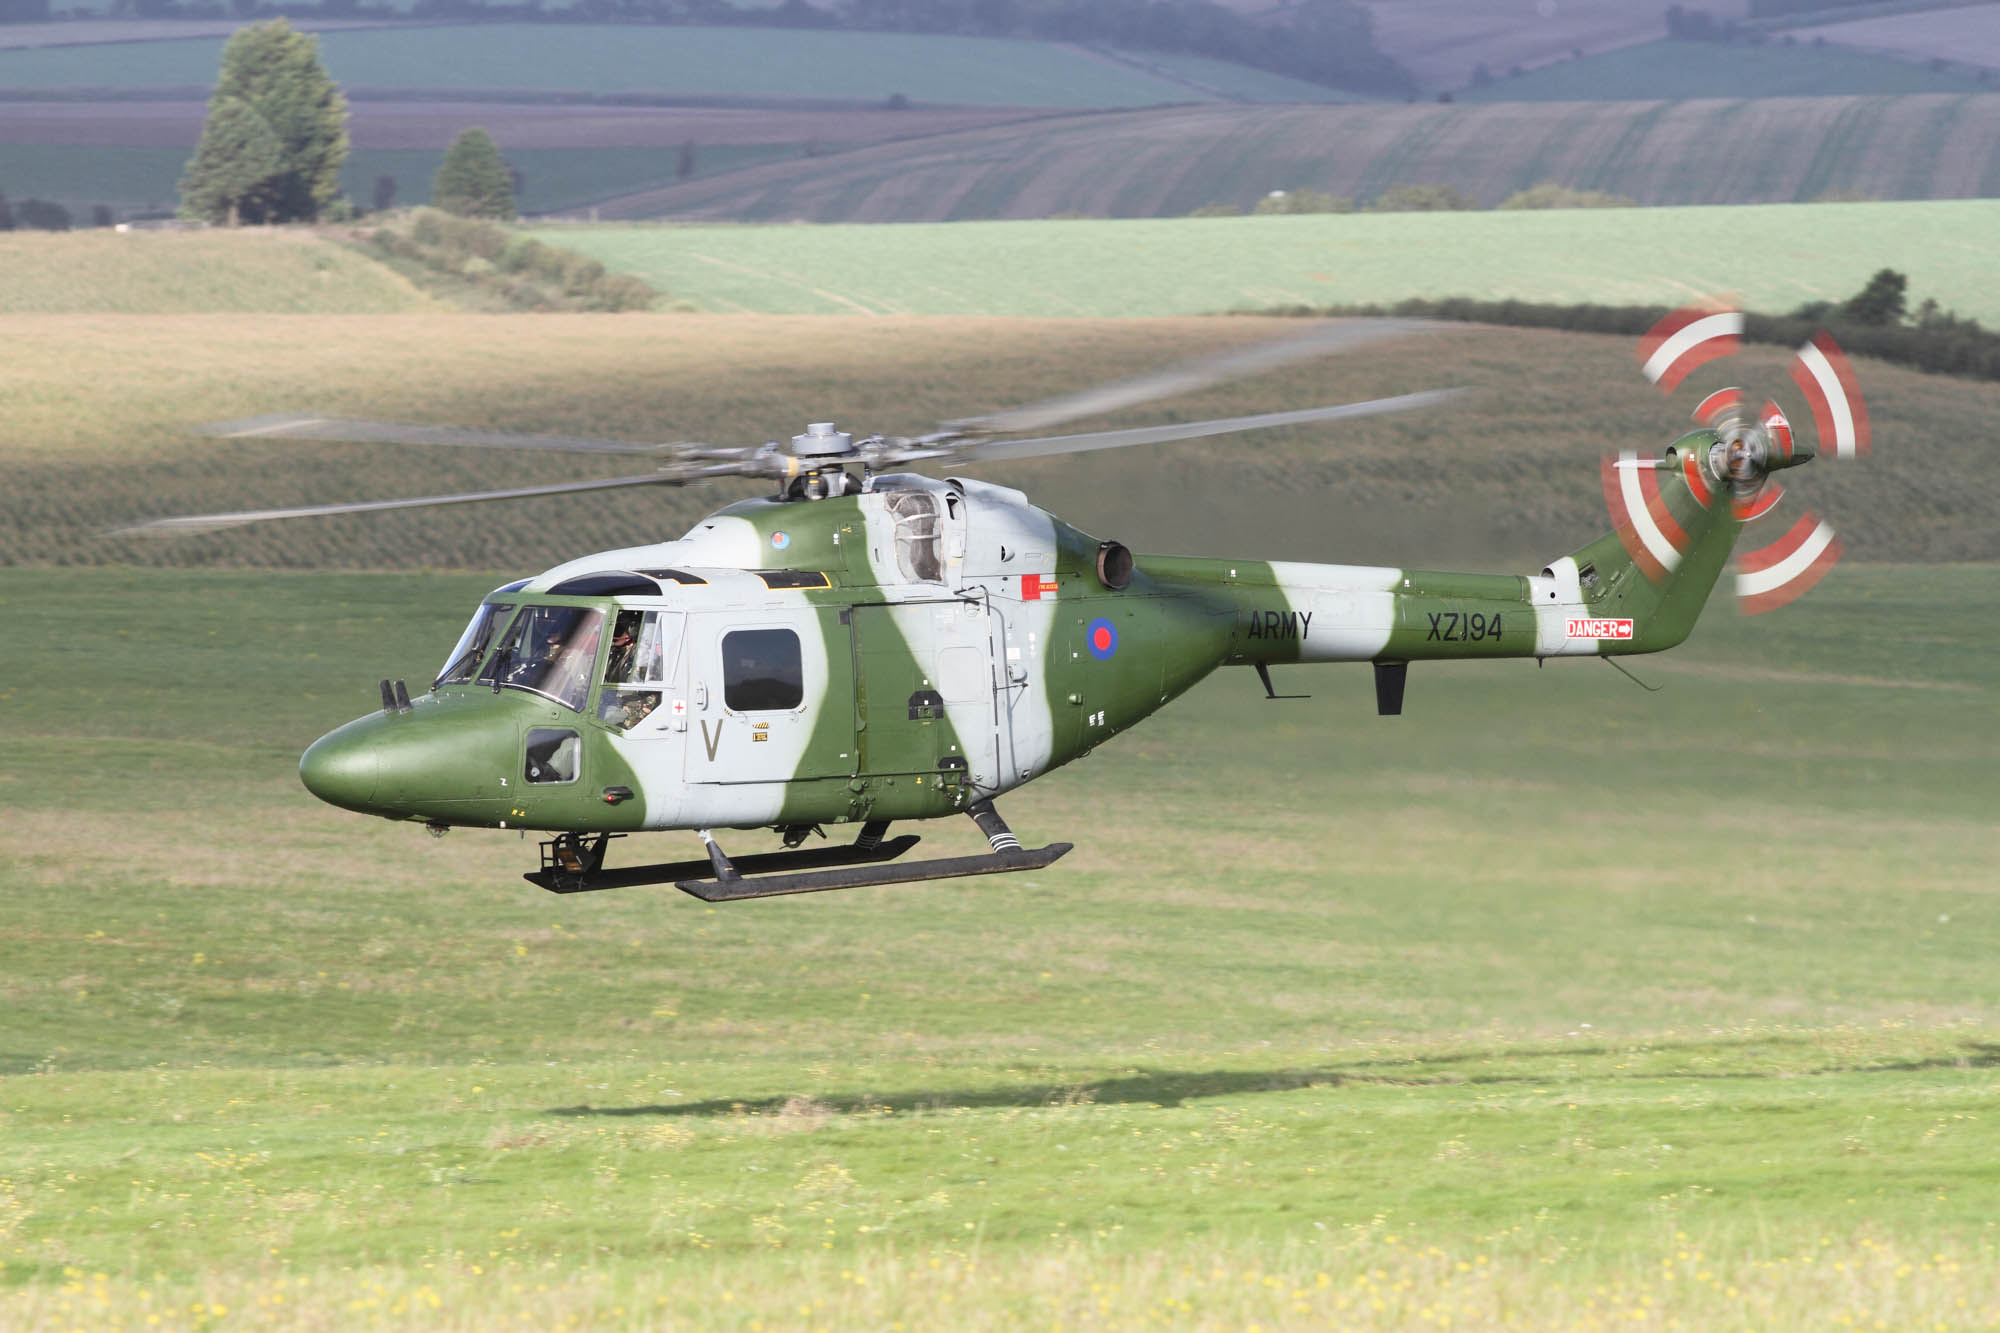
point(637, 654)
point(645, 648)
point(472, 645)
point(550, 650)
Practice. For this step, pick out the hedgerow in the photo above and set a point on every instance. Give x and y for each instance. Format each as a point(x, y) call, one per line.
point(522, 272)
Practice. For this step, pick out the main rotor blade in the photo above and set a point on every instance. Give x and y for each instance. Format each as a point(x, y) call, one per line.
point(1194, 430)
point(296, 426)
point(1319, 340)
point(169, 527)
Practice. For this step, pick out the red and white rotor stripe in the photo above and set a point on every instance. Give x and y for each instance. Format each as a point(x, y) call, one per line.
point(1685, 340)
point(1763, 502)
point(1822, 373)
point(1647, 528)
point(1788, 568)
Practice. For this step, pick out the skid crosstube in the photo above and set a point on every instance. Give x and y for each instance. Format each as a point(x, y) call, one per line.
point(853, 877)
point(671, 872)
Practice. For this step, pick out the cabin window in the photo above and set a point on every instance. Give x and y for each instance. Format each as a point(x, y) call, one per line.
point(552, 755)
point(472, 645)
point(762, 671)
point(550, 650)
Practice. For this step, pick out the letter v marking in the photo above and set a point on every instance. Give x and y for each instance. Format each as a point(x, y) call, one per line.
point(712, 742)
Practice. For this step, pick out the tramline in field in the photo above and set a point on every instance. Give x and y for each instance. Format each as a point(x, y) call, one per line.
point(869, 645)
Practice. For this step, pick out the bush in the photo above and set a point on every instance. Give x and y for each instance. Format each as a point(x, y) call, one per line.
point(477, 268)
point(580, 273)
point(427, 226)
point(1430, 198)
point(622, 291)
point(522, 255)
point(1551, 195)
point(1303, 201)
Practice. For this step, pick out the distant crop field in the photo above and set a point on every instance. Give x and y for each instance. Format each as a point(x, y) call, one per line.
point(144, 272)
point(1444, 41)
point(1961, 35)
point(1774, 257)
point(147, 179)
point(740, 62)
point(1170, 161)
point(1678, 69)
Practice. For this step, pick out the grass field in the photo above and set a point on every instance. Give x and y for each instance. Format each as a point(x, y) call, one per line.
point(1551, 1004)
point(148, 272)
point(1171, 161)
point(1676, 69)
point(1772, 257)
point(737, 62)
point(135, 179)
point(1508, 478)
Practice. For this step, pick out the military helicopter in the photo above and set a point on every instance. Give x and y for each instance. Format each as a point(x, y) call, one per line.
point(867, 645)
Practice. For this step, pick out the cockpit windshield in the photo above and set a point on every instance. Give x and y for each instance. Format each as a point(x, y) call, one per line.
point(472, 644)
point(550, 650)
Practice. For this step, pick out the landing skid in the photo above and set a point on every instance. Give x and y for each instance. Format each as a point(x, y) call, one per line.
point(854, 877)
point(570, 864)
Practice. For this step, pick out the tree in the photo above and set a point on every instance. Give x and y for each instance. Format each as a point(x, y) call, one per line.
point(42, 215)
point(1881, 301)
point(385, 192)
point(474, 181)
point(233, 175)
point(273, 72)
point(6, 215)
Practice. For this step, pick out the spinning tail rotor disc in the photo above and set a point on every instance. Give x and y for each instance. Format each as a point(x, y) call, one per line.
point(1751, 443)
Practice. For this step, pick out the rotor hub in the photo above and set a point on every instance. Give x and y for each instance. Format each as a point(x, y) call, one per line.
point(822, 442)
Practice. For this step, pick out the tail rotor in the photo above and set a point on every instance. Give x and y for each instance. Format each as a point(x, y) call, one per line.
point(1749, 444)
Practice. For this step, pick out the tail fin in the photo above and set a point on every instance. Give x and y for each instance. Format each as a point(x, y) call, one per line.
point(1676, 527)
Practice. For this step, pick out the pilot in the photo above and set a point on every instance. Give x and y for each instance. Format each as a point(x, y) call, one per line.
point(619, 665)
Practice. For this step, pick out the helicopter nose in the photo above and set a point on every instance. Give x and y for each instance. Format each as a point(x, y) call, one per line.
point(343, 767)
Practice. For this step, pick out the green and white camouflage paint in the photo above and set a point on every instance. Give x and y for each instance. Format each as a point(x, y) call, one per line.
point(904, 652)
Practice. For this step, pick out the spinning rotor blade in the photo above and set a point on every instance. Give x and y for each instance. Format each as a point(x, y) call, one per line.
point(296, 426)
point(1194, 430)
point(1788, 568)
point(1320, 340)
point(168, 527)
point(1757, 442)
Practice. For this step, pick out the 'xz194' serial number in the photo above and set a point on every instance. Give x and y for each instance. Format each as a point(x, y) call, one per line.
point(1452, 627)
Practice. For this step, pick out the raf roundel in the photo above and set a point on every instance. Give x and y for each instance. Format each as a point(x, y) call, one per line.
point(780, 540)
point(1102, 639)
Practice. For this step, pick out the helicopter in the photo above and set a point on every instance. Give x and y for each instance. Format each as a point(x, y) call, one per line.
point(869, 645)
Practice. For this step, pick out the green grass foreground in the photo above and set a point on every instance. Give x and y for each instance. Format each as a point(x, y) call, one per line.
point(1773, 257)
point(1552, 1004)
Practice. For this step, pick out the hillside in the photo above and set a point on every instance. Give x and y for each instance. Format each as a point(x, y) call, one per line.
point(682, 62)
point(146, 272)
point(129, 155)
point(1172, 161)
point(1773, 256)
point(1509, 478)
point(1679, 69)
